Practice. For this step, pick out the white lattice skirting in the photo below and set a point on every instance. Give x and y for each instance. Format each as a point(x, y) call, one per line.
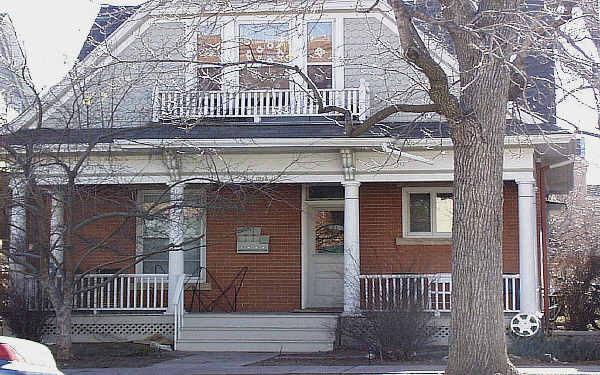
point(114, 327)
point(439, 334)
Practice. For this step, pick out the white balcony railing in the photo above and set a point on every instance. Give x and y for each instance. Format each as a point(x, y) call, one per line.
point(256, 103)
point(103, 292)
point(381, 292)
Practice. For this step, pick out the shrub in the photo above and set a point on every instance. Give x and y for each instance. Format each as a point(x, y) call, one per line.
point(25, 316)
point(394, 333)
point(578, 293)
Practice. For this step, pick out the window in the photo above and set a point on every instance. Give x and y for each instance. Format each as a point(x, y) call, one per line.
point(266, 42)
point(209, 45)
point(325, 192)
point(153, 234)
point(319, 50)
point(329, 231)
point(427, 212)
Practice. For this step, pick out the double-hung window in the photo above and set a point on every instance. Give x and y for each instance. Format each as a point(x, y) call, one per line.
point(319, 52)
point(153, 235)
point(209, 48)
point(427, 212)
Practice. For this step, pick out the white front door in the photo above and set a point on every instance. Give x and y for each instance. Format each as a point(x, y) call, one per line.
point(325, 258)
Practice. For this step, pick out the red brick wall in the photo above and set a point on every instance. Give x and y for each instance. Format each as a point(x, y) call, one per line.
point(381, 224)
point(273, 281)
point(98, 200)
point(510, 238)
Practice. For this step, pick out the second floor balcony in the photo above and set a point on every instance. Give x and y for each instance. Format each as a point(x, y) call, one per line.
point(192, 105)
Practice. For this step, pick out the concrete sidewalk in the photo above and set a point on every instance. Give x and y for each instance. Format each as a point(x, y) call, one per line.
point(238, 363)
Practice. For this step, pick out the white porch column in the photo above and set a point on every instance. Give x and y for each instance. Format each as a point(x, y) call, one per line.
point(18, 231)
point(57, 228)
point(351, 248)
point(176, 231)
point(529, 297)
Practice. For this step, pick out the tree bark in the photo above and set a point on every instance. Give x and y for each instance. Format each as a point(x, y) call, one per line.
point(63, 313)
point(477, 343)
point(63, 337)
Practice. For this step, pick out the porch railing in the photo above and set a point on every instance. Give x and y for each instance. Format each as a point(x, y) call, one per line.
point(256, 103)
point(124, 292)
point(381, 292)
point(103, 292)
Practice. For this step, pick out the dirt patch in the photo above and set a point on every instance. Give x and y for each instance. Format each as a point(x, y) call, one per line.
point(123, 354)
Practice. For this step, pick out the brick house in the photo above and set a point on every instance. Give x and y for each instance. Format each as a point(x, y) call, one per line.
point(337, 225)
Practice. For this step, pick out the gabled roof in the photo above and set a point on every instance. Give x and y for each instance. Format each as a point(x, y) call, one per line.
point(15, 95)
point(109, 18)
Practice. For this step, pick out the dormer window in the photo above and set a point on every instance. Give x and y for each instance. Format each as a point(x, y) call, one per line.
point(264, 42)
point(251, 85)
point(319, 50)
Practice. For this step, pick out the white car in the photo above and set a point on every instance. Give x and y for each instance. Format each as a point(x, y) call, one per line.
point(18, 356)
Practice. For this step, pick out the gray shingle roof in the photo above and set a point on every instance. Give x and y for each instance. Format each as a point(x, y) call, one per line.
point(108, 20)
point(304, 128)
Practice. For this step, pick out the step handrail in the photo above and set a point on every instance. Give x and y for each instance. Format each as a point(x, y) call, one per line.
point(178, 309)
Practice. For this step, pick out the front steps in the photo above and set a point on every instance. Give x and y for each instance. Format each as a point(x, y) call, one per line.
point(257, 332)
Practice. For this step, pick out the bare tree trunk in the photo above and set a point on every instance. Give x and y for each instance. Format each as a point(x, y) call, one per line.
point(63, 337)
point(63, 314)
point(477, 324)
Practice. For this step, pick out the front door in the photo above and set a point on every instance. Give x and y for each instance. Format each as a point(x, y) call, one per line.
point(325, 258)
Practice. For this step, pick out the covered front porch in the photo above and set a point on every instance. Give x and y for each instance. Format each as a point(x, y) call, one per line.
point(338, 237)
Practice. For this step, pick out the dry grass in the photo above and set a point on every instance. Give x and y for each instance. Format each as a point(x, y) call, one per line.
point(125, 354)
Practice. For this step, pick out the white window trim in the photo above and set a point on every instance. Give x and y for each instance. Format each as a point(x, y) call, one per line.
point(230, 35)
point(406, 212)
point(191, 71)
point(139, 233)
point(334, 46)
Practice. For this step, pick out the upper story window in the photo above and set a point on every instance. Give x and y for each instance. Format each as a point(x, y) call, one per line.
point(268, 41)
point(265, 42)
point(319, 50)
point(209, 49)
point(427, 212)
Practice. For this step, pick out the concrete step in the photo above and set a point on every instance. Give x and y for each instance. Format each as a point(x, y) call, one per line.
point(257, 332)
point(264, 334)
point(254, 346)
point(235, 320)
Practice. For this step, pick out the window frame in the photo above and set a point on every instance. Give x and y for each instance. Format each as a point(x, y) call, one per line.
point(139, 232)
point(238, 39)
point(298, 46)
point(331, 64)
point(207, 65)
point(432, 191)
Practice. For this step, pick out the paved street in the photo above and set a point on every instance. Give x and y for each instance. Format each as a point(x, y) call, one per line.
point(239, 363)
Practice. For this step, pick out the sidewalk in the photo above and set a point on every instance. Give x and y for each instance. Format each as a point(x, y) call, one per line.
point(230, 363)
